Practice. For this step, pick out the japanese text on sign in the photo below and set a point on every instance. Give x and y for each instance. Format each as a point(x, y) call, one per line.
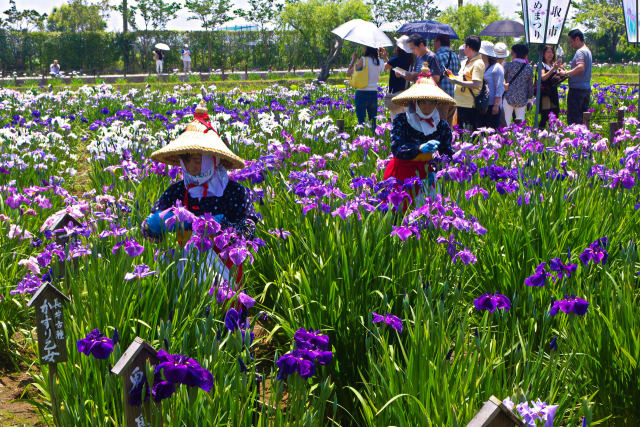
point(53, 329)
point(544, 20)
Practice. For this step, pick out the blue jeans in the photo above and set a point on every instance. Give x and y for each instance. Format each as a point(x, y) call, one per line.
point(367, 103)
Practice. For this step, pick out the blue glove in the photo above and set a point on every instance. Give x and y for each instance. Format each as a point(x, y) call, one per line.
point(156, 224)
point(219, 218)
point(430, 147)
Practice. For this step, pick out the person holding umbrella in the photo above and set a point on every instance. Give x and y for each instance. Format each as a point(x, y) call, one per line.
point(418, 45)
point(366, 101)
point(448, 61)
point(158, 56)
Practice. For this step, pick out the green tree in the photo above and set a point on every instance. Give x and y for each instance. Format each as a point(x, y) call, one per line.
point(604, 18)
point(155, 14)
point(78, 16)
point(402, 11)
point(313, 21)
point(264, 13)
point(211, 14)
point(22, 20)
point(470, 19)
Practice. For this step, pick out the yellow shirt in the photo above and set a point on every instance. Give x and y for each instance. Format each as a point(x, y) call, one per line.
point(473, 70)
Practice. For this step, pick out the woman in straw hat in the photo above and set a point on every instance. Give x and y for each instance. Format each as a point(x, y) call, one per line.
point(419, 132)
point(206, 188)
point(205, 191)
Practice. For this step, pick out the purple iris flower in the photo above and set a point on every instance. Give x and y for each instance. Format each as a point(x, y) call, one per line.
point(29, 284)
point(537, 411)
point(404, 232)
point(389, 319)
point(131, 247)
point(452, 244)
point(465, 256)
point(310, 340)
point(539, 278)
point(475, 191)
point(596, 252)
point(296, 361)
point(571, 304)
point(563, 270)
point(179, 369)
point(140, 271)
point(492, 302)
point(95, 344)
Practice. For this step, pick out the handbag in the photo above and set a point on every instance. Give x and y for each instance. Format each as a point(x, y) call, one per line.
point(482, 99)
point(360, 79)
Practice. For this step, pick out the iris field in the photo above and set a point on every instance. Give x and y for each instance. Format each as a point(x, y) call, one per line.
point(519, 280)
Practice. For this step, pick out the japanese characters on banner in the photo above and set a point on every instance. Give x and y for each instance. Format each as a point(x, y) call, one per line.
point(544, 20)
point(631, 19)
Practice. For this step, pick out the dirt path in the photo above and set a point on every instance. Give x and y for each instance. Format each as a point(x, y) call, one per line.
point(14, 412)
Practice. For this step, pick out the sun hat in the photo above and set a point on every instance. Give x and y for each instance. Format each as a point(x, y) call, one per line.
point(487, 48)
point(501, 50)
point(424, 89)
point(198, 137)
point(403, 43)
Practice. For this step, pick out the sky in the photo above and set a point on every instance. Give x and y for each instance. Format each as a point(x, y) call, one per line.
point(507, 8)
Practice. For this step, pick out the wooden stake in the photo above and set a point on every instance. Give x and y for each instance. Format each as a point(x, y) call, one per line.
point(132, 368)
point(340, 124)
point(613, 127)
point(495, 414)
point(621, 117)
point(586, 119)
point(48, 303)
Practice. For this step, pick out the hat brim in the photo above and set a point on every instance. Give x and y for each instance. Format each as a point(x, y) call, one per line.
point(419, 92)
point(191, 142)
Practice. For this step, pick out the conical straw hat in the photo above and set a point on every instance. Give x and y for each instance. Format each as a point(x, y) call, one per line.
point(198, 137)
point(425, 88)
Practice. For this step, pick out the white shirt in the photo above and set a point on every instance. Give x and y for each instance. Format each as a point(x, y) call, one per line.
point(373, 73)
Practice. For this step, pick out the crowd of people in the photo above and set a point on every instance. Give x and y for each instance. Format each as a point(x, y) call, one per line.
point(487, 90)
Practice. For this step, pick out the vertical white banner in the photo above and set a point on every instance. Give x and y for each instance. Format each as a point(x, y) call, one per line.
point(544, 20)
point(557, 14)
point(536, 19)
point(631, 19)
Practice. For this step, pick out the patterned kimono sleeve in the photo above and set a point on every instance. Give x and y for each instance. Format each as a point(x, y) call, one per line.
point(244, 217)
point(402, 145)
point(169, 197)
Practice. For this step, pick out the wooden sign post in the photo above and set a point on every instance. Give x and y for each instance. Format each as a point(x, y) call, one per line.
point(621, 117)
point(132, 368)
point(586, 118)
point(48, 302)
point(613, 128)
point(495, 414)
point(61, 219)
point(340, 124)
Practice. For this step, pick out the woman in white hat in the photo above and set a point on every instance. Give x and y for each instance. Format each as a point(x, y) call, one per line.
point(403, 58)
point(186, 58)
point(494, 76)
point(419, 132)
